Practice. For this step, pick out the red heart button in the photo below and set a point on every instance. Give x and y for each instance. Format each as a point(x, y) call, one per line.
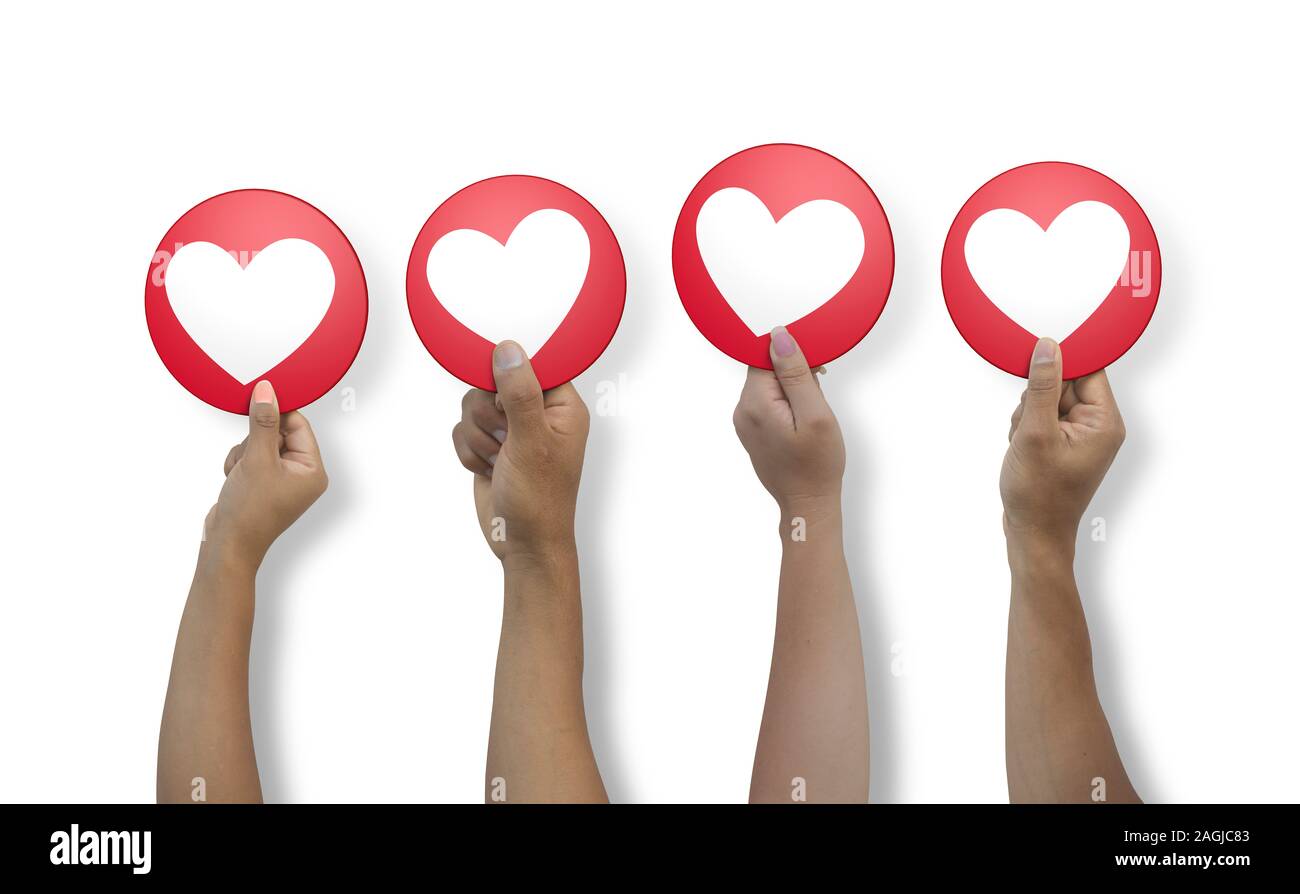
point(251, 285)
point(520, 222)
point(833, 276)
point(1051, 249)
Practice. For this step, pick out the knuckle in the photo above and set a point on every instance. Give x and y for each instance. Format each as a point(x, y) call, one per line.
point(745, 419)
point(822, 424)
point(470, 399)
point(796, 377)
point(1033, 437)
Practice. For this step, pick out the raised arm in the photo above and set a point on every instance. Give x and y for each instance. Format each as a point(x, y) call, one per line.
point(812, 743)
point(525, 448)
point(205, 747)
point(1063, 439)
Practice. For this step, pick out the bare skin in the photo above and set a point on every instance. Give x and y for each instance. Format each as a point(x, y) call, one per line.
point(526, 448)
point(813, 740)
point(1063, 439)
point(205, 746)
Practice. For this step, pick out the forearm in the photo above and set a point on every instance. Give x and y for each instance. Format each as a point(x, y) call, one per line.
point(538, 747)
point(814, 724)
point(1059, 744)
point(206, 738)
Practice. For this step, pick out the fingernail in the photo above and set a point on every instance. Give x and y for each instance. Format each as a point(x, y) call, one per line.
point(508, 355)
point(1044, 352)
point(500, 435)
point(492, 460)
point(782, 343)
point(263, 393)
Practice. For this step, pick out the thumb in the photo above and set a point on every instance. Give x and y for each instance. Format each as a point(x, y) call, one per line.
point(1043, 392)
point(796, 379)
point(263, 422)
point(518, 393)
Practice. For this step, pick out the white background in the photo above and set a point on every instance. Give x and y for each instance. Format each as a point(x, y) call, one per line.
point(378, 613)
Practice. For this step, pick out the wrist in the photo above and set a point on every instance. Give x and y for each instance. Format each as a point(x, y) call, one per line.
point(542, 593)
point(224, 588)
point(548, 562)
point(228, 557)
point(1039, 549)
point(801, 516)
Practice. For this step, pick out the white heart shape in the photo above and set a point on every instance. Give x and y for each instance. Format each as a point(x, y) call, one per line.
point(1049, 281)
point(775, 272)
point(249, 319)
point(521, 290)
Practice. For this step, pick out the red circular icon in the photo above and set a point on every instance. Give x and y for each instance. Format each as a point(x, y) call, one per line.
point(519, 258)
point(251, 285)
point(1051, 250)
point(783, 235)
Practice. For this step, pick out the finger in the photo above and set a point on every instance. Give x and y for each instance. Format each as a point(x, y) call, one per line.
point(1043, 392)
point(1069, 399)
point(1015, 420)
point(263, 423)
point(761, 389)
point(797, 380)
point(1094, 389)
point(518, 394)
point(479, 408)
point(468, 458)
point(298, 435)
point(562, 396)
point(235, 453)
point(485, 446)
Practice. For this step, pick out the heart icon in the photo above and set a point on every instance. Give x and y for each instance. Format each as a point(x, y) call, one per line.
point(773, 272)
point(522, 258)
point(250, 318)
point(1053, 250)
point(256, 284)
point(1049, 281)
point(788, 235)
point(520, 290)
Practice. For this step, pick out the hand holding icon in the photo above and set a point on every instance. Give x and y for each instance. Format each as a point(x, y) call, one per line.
point(789, 430)
point(272, 477)
point(1063, 438)
point(526, 448)
point(814, 726)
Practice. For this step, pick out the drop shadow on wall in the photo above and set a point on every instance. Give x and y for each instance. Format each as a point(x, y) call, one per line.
point(600, 489)
point(892, 336)
point(271, 635)
point(1099, 581)
point(298, 545)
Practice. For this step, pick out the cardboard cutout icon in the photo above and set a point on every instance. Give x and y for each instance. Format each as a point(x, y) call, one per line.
point(1051, 250)
point(251, 285)
point(783, 235)
point(520, 258)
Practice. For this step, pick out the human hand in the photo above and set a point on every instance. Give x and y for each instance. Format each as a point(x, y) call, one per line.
point(1062, 441)
point(789, 431)
point(272, 477)
point(525, 448)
